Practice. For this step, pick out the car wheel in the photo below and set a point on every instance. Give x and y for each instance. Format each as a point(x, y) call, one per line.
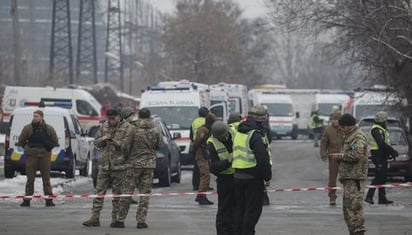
point(178, 175)
point(71, 171)
point(165, 180)
point(9, 172)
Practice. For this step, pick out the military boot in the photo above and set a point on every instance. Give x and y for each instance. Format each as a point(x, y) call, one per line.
point(25, 203)
point(117, 224)
point(49, 202)
point(204, 201)
point(382, 197)
point(92, 222)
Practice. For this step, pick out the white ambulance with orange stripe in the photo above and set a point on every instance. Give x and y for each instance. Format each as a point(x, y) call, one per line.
point(82, 103)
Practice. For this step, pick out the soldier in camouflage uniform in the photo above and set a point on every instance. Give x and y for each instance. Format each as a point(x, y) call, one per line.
point(114, 138)
point(143, 161)
point(353, 169)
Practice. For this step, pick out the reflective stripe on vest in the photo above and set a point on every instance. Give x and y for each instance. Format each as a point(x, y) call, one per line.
point(196, 124)
point(222, 153)
point(372, 143)
point(243, 156)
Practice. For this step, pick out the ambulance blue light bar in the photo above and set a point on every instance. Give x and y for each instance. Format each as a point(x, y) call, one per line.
point(61, 104)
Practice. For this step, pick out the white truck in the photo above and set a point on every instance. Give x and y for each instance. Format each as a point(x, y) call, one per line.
point(282, 115)
point(177, 103)
point(326, 102)
point(82, 103)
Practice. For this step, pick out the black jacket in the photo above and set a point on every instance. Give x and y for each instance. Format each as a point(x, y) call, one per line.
point(263, 168)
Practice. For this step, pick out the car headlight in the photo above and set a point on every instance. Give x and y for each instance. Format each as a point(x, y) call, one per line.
point(402, 157)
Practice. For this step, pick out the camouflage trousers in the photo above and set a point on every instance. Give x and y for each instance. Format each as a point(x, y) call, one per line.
point(105, 179)
point(204, 171)
point(142, 179)
point(353, 191)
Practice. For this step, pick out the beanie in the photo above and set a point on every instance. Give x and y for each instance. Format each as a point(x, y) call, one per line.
point(347, 120)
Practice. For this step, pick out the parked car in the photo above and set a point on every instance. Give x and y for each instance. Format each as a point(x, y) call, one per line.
point(71, 154)
point(402, 165)
point(391, 122)
point(168, 168)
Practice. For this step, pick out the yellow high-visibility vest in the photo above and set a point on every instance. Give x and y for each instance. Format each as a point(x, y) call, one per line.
point(372, 143)
point(243, 156)
point(196, 124)
point(222, 153)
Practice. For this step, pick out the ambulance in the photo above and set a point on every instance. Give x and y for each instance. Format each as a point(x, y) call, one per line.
point(82, 103)
point(327, 102)
point(282, 115)
point(177, 103)
point(238, 97)
point(219, 95)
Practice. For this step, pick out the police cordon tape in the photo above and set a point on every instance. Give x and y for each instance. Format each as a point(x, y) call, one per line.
point(166, 194)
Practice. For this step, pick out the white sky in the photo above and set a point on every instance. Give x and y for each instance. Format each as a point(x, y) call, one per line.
point(251, 8)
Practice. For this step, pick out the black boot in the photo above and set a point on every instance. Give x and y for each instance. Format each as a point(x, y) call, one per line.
point(25, 203)
point(382, 197)
point(49, 202)
point(204, 201)
point(117, 224)
point(369, 196)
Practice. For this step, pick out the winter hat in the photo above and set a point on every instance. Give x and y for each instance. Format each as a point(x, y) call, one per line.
point(347, 120)
point(381, 117)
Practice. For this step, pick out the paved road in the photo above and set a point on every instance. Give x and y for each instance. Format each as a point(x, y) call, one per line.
point(295, 164)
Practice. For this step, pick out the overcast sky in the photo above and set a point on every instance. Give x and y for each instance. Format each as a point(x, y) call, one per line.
point(251, 8)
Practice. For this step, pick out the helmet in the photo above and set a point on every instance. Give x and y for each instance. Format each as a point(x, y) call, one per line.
point(219, 129)
point(126, 112)
point(234, 117)
point(203, 111)
point(258, 112)
point(381, 117)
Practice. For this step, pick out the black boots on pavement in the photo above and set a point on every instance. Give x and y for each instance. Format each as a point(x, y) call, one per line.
point(26, 203)
point(202, 200)
point(381, 194)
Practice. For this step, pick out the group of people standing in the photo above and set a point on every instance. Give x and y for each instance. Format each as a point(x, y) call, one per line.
point(238, 154)
point(127, 160)
point(345, 147)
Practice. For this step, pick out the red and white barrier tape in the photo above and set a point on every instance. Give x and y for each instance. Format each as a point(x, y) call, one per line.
point(167, 194)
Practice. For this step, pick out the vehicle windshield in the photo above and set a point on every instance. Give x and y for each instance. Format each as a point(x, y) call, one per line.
point(366, 110)
point(398, 138)
point(326, 109)
point(85, 108)
point(279, 109)
point(176, 118)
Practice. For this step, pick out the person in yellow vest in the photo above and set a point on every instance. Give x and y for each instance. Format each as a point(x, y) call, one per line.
point(196, 124)
point(331, 142)
point(381, 150)
point(233, 121)
point(316, 126)
point(253, 171)
point(220, 150)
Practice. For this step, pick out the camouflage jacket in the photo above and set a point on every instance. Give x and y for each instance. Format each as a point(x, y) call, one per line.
point(36, 151)
point(146, 141)
point(353, 164)
point(114, 154)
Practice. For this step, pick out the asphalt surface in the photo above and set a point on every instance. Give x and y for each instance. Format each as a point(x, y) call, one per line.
point(296, 164)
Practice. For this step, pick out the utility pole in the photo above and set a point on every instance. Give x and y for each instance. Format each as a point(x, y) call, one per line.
point(113, 69)
point(86, 61)
point(61, 56)
point(16, 43)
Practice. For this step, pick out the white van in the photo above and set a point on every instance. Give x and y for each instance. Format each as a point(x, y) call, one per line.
point(326, 102)
point(282, 115)
point(219, 95)
point(238, 97)
point(71, 154)
point(82, 103)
